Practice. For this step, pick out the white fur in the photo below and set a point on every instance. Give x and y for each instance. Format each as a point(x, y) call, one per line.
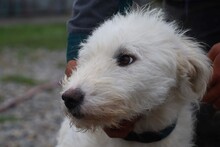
point(171, 72)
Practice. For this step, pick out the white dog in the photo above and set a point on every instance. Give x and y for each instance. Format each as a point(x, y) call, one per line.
point(135, 65)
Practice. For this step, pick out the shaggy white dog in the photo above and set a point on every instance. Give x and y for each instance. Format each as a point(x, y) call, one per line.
point(135, 65)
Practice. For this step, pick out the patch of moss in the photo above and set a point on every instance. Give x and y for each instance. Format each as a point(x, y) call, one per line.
point(7, 118)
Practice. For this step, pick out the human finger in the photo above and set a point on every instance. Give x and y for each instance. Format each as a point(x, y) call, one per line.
point(71, 65)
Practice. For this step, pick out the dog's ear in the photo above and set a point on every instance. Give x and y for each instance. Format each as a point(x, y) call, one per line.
point(194, 70)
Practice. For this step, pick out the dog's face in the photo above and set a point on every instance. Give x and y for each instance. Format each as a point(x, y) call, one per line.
point(130, 65)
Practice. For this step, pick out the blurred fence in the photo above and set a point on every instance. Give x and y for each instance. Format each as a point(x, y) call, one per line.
point(29, 8)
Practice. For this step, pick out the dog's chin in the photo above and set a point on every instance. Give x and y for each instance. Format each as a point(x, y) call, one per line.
point(93, 122)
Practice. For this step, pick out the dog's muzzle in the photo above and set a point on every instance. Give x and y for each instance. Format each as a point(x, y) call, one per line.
point(73, 99)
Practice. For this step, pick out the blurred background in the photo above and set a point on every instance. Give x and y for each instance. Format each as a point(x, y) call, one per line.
point(32, 61)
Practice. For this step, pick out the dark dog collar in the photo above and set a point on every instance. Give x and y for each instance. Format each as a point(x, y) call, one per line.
point(149, 137)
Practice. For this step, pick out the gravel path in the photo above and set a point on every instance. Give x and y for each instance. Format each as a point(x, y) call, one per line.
point(36, 121)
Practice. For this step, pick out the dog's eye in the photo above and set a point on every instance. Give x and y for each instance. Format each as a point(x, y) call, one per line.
point(124, 60)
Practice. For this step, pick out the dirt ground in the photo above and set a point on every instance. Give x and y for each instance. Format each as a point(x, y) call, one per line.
point(36, 121)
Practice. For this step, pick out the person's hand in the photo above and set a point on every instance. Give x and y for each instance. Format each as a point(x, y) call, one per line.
point(213, 92)
point(125, 128)
point(71, 65)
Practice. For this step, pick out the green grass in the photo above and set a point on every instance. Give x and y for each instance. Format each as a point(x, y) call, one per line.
point(33, 36)
point(7, 118)
point(19, 79)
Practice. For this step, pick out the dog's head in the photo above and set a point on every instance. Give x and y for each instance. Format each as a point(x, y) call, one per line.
point(132, 64)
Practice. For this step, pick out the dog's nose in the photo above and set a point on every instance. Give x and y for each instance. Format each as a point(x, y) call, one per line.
point(73, 97)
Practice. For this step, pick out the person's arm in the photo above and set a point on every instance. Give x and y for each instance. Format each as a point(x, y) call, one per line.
point(86, 16)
